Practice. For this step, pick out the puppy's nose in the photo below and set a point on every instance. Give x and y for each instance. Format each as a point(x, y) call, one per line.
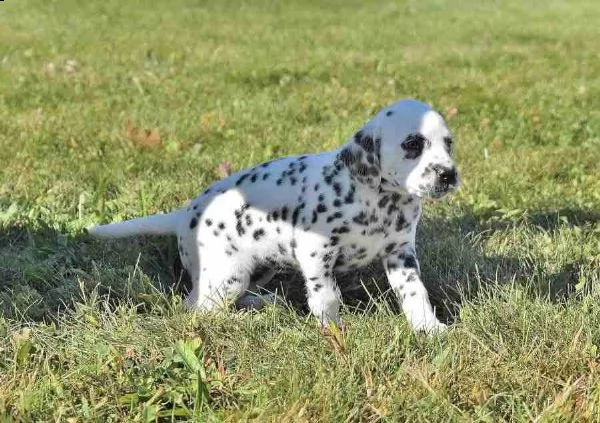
point(448, 176)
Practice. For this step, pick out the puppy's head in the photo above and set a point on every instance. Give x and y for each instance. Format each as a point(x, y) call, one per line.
point(415, 153)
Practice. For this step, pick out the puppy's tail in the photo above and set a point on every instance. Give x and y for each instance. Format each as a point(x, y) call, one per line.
point(158, 224)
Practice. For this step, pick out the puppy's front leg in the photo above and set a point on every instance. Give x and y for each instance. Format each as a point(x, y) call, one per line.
point(322, 291)
point(402, 269)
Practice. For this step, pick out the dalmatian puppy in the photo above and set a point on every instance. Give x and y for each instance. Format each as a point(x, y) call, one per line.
point(323, 213)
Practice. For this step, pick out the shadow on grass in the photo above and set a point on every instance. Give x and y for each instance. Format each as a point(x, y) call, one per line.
point(454, 265)
point(43, 271)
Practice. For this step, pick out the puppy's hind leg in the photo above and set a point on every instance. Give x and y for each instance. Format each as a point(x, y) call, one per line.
point(221, 282)
point(189, 252)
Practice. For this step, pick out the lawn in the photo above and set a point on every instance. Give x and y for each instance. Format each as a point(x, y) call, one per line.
point(116, 109)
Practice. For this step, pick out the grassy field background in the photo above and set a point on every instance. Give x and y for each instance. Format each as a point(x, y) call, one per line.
point(91, 330)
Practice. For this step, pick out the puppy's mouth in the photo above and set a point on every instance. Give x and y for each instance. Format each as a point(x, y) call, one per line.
point(436, 192)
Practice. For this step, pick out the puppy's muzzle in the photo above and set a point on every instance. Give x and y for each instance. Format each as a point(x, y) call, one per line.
point(447, 179)
point(447, 176)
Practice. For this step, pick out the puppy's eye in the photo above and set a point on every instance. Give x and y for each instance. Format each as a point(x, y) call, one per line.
point(448, 141)
point(413, 142)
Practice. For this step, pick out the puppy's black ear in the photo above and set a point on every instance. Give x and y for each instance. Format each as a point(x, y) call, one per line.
point(361, 156)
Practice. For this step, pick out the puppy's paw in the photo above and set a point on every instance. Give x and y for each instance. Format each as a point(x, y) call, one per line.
point(429, 326)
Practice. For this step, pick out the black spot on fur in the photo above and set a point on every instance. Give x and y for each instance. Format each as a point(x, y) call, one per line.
point(317, 287)
point(265, 176)
point(315, 217)
point(410, 262)
point(275, 215)
point(334, 240)
point(221, 225)
point(284, 213)
point(316, 187)
point(239, 228)
point(241, 210)
point(390, 247)
point(321, 208)
point(321, 197)
point(248, 220)
point(208, 222)
point(340, 261)
point(241, 179)
point(361, 219)
point(258, 233)
point(383, 201)
point(347, 157)
point(373, 218)
point(296, 213)
point(282, 249)
point(253, 177)
point(365, 141)
point(337, 188)
point(340, 230)
point(334, 216)
point(193, 223)
point(279, 181)
point(337, 202)
point(314, 278)
point(401, 222)
point(293, 180)
point(389, 113)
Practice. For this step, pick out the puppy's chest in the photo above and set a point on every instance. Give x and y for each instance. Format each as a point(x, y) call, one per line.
point(375, 223)
point(383, 216)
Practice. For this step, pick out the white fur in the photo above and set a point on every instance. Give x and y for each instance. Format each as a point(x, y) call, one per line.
point(343, 209)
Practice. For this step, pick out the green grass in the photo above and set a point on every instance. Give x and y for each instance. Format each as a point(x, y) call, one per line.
point(91, 330)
